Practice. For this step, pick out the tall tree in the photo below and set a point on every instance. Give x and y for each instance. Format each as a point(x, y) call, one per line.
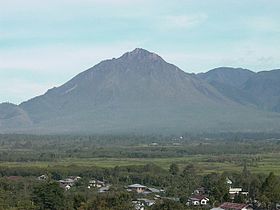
point(271, 190)
point(174, 169)
point(49, 195)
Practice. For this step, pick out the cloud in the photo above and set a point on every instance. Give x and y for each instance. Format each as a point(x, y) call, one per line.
point(19, 5)
point(183, 21)
point(263, 24)
point(248, 54)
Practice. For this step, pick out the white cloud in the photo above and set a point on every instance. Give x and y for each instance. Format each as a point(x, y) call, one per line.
point(248, 54)
point(18, 5)
point(263, 24)
point(183, 21)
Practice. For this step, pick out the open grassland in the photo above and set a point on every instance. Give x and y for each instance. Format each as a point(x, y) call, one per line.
point(263, 163)
point(220, 155)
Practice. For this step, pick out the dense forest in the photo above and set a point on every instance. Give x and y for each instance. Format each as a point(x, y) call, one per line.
point(47, 148)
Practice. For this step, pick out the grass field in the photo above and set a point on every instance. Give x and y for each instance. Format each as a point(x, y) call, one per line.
point(265, 164)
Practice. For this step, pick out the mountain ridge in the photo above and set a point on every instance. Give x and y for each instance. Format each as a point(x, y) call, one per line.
point(141, 92)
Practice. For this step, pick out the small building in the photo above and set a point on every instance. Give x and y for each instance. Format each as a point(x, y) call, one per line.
point(228, 181)
point(68, 182)
point(42, 177)
point(233, 206)
point(138, 205)
point(75, 178)
point(198, 200)
point(137, 188)
point(237, 191)
point(146, 202)
point(153, 190)
point(104, 189)
point(67, 187)
point(96, 183)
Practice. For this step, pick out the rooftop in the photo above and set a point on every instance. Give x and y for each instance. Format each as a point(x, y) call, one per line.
point(136, 186)
point(233, 206)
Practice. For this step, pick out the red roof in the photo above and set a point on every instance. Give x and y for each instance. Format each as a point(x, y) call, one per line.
point(198, 197)
point(233, 206)
point(14, 178)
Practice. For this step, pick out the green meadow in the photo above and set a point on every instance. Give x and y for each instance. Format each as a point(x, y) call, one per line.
point(266, 163)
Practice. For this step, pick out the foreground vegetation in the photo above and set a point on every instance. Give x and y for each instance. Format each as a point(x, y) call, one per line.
point(178, 165)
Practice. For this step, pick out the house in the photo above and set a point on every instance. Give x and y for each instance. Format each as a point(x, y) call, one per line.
point(228, 181)
point(141, 203)
point(138, 205)
point(68, 182)
point(237, 191)
point(67, 187)
point(233, 191)
point(96, 183)
point(104, 189)
point(198, 200)
point(146, 202)
point(75, 178)
point(153, 190)
point(42, 177)
point(233, 206)
point(137, 188)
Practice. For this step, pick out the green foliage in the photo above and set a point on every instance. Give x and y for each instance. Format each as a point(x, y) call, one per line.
point(271, 190)
point(49, 195)
point(179, 175)
point(111, 201)
point(174, 169)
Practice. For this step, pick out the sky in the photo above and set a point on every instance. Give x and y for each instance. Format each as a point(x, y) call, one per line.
point(45, 43)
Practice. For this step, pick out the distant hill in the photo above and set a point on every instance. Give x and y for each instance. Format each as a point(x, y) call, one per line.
point(13, 117)
point(260, 89)
point(234, 77)
point(139, 92)
point(265, 88)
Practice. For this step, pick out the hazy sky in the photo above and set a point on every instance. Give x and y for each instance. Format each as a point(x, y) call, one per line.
point(43, 43)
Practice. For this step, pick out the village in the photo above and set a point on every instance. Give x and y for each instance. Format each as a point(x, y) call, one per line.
point(146, 197)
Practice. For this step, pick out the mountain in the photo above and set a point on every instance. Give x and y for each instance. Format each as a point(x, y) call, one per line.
point(137, 78)
point(234, 77)
point(140, 92)
point(265, 88)
point(260, 89)
point(12, 116)
point(229, 82)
